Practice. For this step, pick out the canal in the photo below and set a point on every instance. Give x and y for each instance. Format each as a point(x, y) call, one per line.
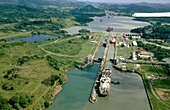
point(128, 95)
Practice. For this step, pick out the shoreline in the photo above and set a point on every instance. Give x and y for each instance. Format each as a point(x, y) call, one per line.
point(147, 94)
point(59, 88)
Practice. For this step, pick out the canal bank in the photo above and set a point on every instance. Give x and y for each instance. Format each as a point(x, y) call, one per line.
point(129, 94)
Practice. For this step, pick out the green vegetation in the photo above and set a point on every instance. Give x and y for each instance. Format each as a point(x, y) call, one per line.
point(70, 47)
point(84, 31)
point(154, 20)
point(150, 70)
point(82, 14)
point(51, 80)
point(32, 75)
point(128, 10)
point(159, 52)
point(23, 71)
point(159, 42)
point(154, 32)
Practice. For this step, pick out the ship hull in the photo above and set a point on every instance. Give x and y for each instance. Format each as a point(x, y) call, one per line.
point(105, 80)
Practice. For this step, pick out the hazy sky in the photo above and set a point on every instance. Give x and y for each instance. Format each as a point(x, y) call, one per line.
point(130, 1)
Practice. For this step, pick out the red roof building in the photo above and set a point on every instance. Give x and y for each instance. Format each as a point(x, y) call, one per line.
point(124, 36)
point(141, 50)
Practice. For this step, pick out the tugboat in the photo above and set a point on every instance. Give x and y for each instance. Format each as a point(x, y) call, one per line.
point(93, 97)
point(109, 29)
point(101, 20)
point(115, 82)
point(105, 80)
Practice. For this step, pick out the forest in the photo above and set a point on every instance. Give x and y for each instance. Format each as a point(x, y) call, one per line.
point(155, 31)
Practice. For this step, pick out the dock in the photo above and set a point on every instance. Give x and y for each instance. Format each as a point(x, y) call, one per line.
point(96, 83)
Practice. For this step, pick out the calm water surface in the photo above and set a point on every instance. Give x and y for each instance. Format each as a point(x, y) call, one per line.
point(128, 95)
point(119, 23)
point(37, 38)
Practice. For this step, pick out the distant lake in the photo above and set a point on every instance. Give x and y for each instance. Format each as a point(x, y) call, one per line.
point(35, 38)
point(118, 23)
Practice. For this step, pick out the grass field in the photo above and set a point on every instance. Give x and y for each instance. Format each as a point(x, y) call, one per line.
point(27, 78)
point(25, 66)
point(150, 70)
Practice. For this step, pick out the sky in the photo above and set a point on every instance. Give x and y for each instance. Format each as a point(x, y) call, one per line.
point(129, 1)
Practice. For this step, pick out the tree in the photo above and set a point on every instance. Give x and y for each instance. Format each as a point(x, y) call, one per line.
point(46, 104)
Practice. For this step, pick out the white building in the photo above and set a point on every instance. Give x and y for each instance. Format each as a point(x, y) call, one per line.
point(134, 43)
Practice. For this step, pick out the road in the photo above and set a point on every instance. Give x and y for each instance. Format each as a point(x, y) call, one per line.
point(3, 37)
point(152, 90)
point(145, 42)
point(143, 61)
point(59, 40)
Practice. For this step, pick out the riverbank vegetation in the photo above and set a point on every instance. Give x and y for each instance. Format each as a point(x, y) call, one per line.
point(156, 31)
point(26, 72)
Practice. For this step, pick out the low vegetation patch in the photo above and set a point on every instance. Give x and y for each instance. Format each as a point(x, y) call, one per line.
point(70, 47)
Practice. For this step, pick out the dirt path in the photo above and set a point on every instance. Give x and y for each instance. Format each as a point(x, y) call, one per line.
point(59, 41)
point(156, 45)
point(94, 44)
point(161, 93)
point(158, 98)
point(35, 89)
point(60, 54)
point(14, 35)
point(40, 98)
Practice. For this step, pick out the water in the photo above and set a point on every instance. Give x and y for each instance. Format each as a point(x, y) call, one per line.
point(76, 91)
point(100, 52)
point(119, 23)
point(128, 95)
point(35, 38)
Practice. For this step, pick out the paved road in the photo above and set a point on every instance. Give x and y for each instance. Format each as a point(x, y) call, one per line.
point(143, 61)
point(145, 42)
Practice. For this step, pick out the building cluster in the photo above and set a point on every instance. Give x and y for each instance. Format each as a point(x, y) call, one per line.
point(145, 54)
point(154, 77)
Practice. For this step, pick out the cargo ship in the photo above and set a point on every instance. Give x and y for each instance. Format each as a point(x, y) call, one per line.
point(109, 29)
point(105, 80)
point(113, 40)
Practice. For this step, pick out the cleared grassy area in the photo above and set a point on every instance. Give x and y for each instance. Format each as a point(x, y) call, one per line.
point(150, 70)
point(121, 51)
point(71, 47)
point(130, 66)
point(14, 35)
point(76, 46)
point(27, 77)
point(89, 47)
point(156, 104)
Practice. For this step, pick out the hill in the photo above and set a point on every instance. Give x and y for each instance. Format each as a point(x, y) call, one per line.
point(28, 76)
